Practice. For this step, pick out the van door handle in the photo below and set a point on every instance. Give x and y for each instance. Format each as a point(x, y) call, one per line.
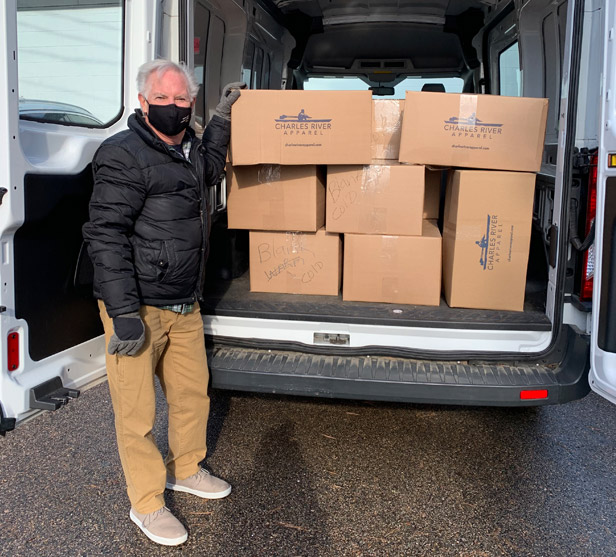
point(221, 194)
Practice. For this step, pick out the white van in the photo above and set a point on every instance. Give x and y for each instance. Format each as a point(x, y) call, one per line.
point(86, 55)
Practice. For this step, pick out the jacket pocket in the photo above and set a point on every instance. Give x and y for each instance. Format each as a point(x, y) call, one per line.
point(150, 260)
point(167, 262)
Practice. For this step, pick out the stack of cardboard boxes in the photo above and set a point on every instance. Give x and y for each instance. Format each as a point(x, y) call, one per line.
point(488, 213)
point(391, 252)
point(364, 169)
point(281, 144)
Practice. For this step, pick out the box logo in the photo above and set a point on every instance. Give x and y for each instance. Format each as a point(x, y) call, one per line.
point(490, 243)
point(472, 126)
point(302, 124)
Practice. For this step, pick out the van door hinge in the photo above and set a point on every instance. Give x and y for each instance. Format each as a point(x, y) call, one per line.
point(51, 395)
point(3, 192)
point(581, 159)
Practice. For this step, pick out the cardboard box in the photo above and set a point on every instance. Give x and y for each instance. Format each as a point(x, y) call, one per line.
point(396, 269)
point(301, 127)
point(380, 198)
point(274, 197)
point(486, 238)
point(432, 195)
point(386, 128)
point(295, 262)
point(474, 131)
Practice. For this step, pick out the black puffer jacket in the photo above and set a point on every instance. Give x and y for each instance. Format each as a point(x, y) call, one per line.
point(149, 222)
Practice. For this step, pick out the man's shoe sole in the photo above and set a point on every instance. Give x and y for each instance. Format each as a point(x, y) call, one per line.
point(202, 494)
point(154, 537)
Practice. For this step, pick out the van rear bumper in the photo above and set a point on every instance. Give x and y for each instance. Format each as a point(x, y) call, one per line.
point(403, 379)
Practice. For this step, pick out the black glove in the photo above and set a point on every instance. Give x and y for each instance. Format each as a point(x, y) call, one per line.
point(128, 334)
point(230, 94)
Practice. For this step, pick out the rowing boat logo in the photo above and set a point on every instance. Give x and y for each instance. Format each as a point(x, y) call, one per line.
point(483, 244)
point(301, 117)
point(471, 120)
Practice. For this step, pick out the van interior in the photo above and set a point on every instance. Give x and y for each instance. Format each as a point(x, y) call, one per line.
point(472, 46)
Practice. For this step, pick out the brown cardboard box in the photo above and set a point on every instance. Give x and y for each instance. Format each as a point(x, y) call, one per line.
point(295, 262)
point(486, 238)
point(432, 195)
point(301, 127)
point(475, 131)
point(386, 128)
point(380, 198)
point(274, 197)
point(397, 269)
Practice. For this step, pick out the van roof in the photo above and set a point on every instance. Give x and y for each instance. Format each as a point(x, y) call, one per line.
point(385, 40)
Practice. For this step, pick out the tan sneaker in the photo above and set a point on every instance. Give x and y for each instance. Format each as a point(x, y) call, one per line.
point(160, 526)
point(201, 484)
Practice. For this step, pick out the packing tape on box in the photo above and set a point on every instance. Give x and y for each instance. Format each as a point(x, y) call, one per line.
point(375, 177)
point(374, 219)
point(294, 242)
point(390, 118)
point(467, 113)
point(300, 260)
point(268, 174)
point(389, 248)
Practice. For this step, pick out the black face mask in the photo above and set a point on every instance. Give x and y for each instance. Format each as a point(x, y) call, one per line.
point(169, 119)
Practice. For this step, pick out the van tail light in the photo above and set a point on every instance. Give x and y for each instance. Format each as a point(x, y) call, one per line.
point(588, 263)
point(13, 351)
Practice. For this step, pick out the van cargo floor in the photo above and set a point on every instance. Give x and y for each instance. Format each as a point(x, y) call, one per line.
point(233, 298)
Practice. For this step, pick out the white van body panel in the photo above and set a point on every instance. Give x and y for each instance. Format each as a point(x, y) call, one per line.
point(603, 364)
point(43, 148)
point(360, 336)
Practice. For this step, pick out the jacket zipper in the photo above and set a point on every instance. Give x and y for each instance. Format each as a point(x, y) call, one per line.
point(198, 287)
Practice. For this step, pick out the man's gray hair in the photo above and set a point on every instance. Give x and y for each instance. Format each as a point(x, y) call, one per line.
point(162, 66)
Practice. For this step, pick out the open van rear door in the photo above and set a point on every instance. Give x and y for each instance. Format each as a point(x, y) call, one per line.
point(65, 90)
point(603, 348)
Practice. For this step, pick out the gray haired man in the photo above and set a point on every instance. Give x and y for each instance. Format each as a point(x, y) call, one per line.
point(148, 239)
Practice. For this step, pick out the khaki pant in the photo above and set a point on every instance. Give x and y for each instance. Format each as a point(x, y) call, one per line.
point(174, 350)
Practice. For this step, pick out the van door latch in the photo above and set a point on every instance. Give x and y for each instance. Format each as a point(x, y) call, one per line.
point(337, 339)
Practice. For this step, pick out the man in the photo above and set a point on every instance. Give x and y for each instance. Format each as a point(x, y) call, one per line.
point(148, 239)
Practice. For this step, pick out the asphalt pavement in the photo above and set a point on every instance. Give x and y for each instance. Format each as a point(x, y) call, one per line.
point(318, 477)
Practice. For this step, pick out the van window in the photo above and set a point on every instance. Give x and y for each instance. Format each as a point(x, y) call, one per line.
point(215, 46)
point(209, 37)
point(256, 66)
point(201, 30)
point(509, 75)
point(353, 83)
point(265, 82)
point(249, 52)
point(70, 61)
